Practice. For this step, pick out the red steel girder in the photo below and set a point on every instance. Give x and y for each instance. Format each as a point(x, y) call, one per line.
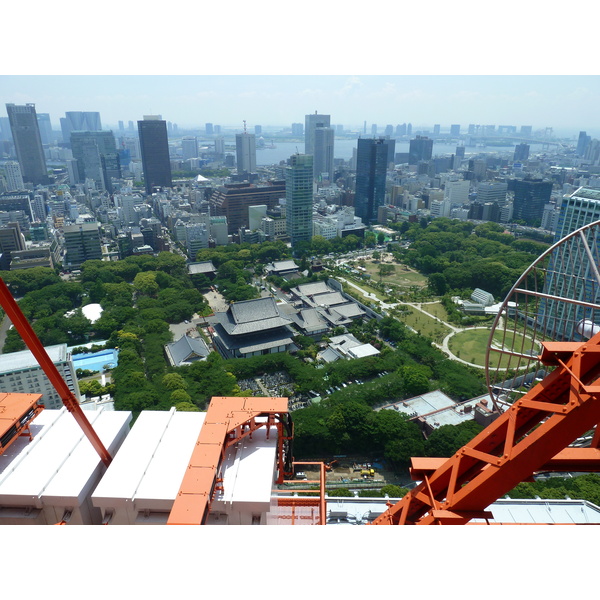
point(39, 352)
point(533, 433)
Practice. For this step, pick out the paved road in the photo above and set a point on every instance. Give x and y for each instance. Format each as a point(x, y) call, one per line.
point(4, 327)
point(419, 306)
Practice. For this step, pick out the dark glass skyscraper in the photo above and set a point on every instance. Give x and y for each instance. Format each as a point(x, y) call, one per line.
point(531, 195)
point(28, 142)
point(372, 159)
point(154, 145)
point(421, 148)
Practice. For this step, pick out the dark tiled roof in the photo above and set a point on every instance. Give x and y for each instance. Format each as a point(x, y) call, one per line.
point(187, 349)
point(252, 316)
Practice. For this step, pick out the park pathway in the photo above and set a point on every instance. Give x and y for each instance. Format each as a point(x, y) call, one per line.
point(444, 347)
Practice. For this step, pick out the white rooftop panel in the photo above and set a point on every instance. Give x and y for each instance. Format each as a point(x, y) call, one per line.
point(15, 361)
point(248, 472)
point(81, 469)
point(127, 469)
point(22, 444)
point(162, 479)
point(60, 458)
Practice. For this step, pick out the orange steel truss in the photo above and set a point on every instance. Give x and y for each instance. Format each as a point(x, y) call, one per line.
point(315, 499)
point(227, 421)
point(16, 413)
point(532, 435)
point(39, 352)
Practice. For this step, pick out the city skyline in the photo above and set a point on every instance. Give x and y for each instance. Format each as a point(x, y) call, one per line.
point(565, 103)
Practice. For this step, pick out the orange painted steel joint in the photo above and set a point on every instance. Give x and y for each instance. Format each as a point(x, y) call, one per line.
point(533, 434)
point(16, 413)
point(228, 420)
point(39, 352)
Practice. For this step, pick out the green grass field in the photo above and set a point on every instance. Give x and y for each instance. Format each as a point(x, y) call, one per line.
point(401, 277)
point(471, 345)
point(437, 310)
point(425, 325)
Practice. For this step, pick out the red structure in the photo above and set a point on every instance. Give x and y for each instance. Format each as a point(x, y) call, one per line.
point(532, 435)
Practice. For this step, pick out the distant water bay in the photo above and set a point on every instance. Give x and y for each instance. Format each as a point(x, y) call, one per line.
point(343, 149)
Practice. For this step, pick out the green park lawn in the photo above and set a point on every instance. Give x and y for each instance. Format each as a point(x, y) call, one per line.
point(471, 345)
point(402, 276)
point(437, 310)
point(425, 325)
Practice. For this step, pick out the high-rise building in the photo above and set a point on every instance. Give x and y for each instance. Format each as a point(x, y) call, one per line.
point(82, 242)
point(209, 129)
point(45, 128)
point(436, 129)
point(154, 146)
point(5, 134)
point(323, 153)
point(297, 129)
point(372, 161)
point(189, 147)
point(245, 148)
point(97, 157)
point(401, 129)
point(455, 130)
point(530, 197)
point(234, 200)
point(581, 208)
point(311, 122)
point(14, 178)
point(11, 240)
point(77, 120)
point(492, 191)
point(521, 152)
point(299, 198)
point(582, 143)
point(28, 142)
point(420, 148)
point(526, 130)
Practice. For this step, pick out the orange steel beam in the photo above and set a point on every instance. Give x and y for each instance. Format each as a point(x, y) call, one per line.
point(228, 419)
point(315, 500)
point(16, 413)
point(569, 459)
point(39, 352)
point(534, 432)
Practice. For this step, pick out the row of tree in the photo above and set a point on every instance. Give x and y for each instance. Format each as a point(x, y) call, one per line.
point(459, 256)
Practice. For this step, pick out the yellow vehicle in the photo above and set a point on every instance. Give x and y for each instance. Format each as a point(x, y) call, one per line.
point(367, 473)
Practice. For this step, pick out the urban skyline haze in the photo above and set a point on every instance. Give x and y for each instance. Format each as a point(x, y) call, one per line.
point(565, 103)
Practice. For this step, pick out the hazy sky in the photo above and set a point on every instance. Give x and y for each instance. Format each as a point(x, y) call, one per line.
point(271, 63)
point(566, 103)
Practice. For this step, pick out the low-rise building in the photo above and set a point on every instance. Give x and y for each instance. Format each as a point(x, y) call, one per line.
point(253, 328)
point(186, 350)
point(20, 372)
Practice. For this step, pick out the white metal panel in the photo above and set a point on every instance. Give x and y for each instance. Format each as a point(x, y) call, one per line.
point(162, 479)
point(82, 469)
point(249, 470)
point(127, 469)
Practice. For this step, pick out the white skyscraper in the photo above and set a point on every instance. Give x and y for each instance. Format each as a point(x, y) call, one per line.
point(14, 178)
point(245, 146)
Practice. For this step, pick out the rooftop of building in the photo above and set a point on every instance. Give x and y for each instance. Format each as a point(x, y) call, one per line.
point(19, 361)
point(252, 316)
point(186, 350)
